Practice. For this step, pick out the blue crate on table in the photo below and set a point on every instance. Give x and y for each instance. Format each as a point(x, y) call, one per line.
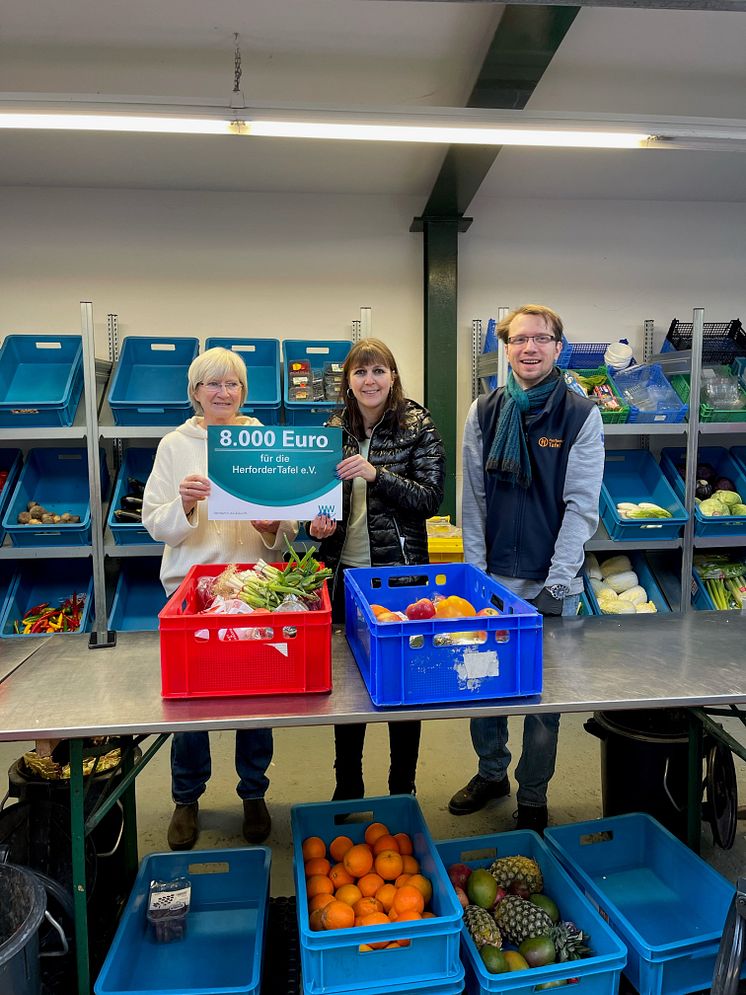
point(650, 396)
point(222, 950)
point(405, 663)
point(642, 880)
point(331, 960)
point(645, 578)
point(724, 465)
point(11, 461)
point(41, 380)
point(262, 359)
point(137, 463)
point(34, 584)
point(149, 386)
point(138, 597)
point(633, 475)
point(57, 479)
point(316, 352)
point(597, 975)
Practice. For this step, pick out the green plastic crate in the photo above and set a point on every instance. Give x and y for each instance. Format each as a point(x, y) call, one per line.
point(707, 413)
point(609, 417)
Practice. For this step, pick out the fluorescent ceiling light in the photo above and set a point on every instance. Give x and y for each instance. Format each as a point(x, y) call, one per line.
point(431, 125)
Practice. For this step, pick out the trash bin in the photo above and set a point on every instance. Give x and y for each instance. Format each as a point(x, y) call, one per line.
point(644, 764)
point(22, 906)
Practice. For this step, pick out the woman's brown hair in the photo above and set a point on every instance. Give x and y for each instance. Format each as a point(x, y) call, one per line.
point(365, 353)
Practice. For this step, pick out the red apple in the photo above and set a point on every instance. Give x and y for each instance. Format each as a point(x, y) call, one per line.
point(488, 611)
point(459, 875)
point(420, 610)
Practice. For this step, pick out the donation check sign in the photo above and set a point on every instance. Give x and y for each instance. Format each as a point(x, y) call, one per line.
point(273, 472)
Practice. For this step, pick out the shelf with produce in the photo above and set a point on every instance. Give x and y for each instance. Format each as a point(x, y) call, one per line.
point(602, 541)
point(8, 552)
point(108, 430)
point(722, 428)
point(115, 550)
point(645, 429)
point(717, 542)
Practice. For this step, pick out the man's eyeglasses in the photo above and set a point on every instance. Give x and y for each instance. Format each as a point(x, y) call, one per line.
point(232, 386)
point(521, 340)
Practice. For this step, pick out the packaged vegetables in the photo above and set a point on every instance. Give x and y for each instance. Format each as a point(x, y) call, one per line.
point(724, 580)
point(617, 587)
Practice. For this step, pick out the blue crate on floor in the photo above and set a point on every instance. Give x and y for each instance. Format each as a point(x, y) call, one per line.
point(138, 597)
point(406, 663)
point(137, 463)
point(149, 386)
point(642, 879)
point(262, 359)
point(645, 579)
point(331, 960)
point(11, 461)
point(41, 380)
point(724, 465)
point(650, 396)
point(34, 583)
point(223, 946)
point(316, 352)
point(597, 975)
point(633, 475)
point(58, 480)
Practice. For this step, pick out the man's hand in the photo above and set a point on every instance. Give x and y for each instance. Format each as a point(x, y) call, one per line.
point(546, 604)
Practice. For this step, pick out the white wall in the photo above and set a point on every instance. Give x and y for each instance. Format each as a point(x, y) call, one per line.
point(194, 263)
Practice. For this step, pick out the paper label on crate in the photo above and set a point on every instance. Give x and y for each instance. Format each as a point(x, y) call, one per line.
point(260, 472)
point(475, 666)
point(170, 899)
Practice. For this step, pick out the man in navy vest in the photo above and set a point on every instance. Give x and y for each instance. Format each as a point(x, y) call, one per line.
point(533, 459)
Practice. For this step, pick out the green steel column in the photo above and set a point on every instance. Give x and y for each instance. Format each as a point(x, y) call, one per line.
point(80, 894)
point(440, 340)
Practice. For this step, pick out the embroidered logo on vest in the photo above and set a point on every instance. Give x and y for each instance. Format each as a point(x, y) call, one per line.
point(546, 443)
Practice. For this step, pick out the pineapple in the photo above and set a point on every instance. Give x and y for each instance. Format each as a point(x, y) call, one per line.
point(520, 870)
point(482, 927)
point(570, 942)
point(519, 919)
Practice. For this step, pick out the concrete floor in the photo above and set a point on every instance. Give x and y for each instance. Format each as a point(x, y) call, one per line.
point(302, 771)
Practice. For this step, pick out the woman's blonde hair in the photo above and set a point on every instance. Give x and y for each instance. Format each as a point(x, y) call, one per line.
point(216, 364)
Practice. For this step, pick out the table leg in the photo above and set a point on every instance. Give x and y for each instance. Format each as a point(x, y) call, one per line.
point(129, 811)
point(694, 794)
point(80, 893)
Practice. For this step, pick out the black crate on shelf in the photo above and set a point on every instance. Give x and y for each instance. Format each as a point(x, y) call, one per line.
point(722, 340)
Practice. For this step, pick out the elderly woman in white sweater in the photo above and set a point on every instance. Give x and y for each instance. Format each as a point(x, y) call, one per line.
point(174, 513)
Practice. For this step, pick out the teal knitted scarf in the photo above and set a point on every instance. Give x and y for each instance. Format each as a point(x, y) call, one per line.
point(508, 458)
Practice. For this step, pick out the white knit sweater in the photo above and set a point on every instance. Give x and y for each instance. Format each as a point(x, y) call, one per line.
point(195, 539)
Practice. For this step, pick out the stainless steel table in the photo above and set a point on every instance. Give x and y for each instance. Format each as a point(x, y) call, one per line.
point(57, 688)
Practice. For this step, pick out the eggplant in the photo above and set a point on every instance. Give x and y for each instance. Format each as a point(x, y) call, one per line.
point(135, 486)
point(703, 491)
point(128, 516)
point(131, 503)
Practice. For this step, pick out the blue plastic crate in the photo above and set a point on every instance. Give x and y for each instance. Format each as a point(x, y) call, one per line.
point(34, 583)
point(149, 386)
point(138, 597)
point(412, 663)
point(646, 580)
point(739, 455)
point(41, 380)
point(223, 946)
point(262, 359)
point(701, 600)
point(10, 460)
point(585, 608)
point(136, 463)
point(331, 960)
point(58, 480)
point(317, 352)
point(582, 355)
point(633, 475)
point(650, 396)
point(725, 466)
point(597, 975)
point(644, 882)
point(563, 360)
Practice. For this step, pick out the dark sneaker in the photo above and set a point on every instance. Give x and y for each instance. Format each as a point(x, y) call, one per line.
point(183, 830)
point(256, 820)
point(532, 817)
point(477, 793)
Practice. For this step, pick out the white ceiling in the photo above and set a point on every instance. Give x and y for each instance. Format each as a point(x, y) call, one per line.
point(364, 52)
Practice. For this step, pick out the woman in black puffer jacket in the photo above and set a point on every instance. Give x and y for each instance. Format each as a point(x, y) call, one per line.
point(392, 473)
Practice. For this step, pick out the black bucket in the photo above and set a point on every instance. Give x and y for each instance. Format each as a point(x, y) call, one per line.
point(645, 764)
point(22, 906)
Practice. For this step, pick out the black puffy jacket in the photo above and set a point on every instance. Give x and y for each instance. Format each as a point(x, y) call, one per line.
point(408, 489)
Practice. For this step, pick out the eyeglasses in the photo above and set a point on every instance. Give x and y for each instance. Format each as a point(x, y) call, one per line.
point(521, 340)
point(232, 386)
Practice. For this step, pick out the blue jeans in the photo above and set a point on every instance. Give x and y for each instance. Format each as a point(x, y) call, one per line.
point(539, 751)
point(191, 765)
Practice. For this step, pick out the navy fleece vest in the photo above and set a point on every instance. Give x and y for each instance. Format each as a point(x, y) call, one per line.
point(523, 523)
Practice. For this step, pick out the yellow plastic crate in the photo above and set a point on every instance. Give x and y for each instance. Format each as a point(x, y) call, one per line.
point(445, 549)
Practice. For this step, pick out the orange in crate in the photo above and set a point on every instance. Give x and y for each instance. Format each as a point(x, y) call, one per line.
point(293, 655)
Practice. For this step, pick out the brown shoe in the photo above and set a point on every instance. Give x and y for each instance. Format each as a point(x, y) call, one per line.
point(183, 830)
point(475, 795)
point(256, 820)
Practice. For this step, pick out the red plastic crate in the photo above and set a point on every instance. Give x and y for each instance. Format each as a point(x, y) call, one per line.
point(296, 659)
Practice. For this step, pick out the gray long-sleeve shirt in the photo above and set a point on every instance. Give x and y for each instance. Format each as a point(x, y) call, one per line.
point(585, 467)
